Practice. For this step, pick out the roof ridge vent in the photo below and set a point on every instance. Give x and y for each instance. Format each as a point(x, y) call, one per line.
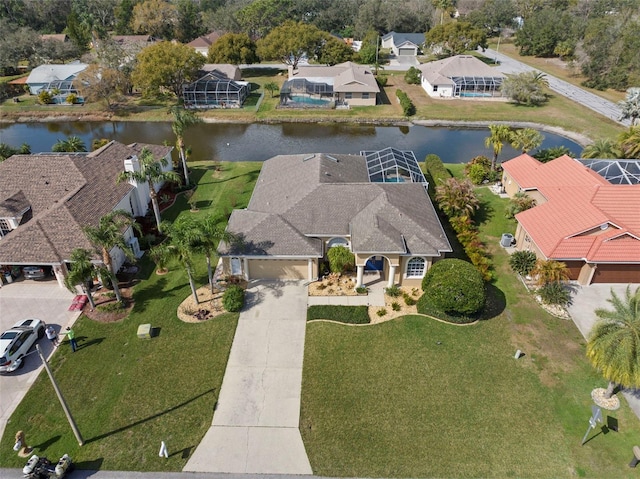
point(310, 157)
point(332, 158)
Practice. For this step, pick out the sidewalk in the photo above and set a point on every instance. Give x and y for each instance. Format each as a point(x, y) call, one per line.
point(374, 298)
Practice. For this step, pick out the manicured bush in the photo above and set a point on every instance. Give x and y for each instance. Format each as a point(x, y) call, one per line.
point(412, 77)
point(342, 314)
point(555, 293)
point(233, 299)
point(522, 262)
point(455, 287)
point(424, 306)
point(435, 171)
point(408, 108)
point(341, 259)
point(382, 80)
point(45, 98)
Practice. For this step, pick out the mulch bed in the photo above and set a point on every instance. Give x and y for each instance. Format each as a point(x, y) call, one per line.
point(104, 296)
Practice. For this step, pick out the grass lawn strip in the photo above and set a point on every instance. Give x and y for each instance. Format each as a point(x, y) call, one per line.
point(127, 394)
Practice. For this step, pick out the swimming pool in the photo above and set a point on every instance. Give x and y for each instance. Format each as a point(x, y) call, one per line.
point(309, 100)
point(474, 94)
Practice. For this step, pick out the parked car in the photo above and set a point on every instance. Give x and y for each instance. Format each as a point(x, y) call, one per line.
point(37, 272)
point(16, 342)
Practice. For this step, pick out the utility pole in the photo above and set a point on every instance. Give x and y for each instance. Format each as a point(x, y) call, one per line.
point(67, 412)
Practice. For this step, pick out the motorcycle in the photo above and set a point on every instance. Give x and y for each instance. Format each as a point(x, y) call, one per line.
point(42, 468)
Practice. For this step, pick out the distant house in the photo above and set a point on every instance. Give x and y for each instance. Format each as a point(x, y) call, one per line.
point(588, 220)
point(460, 76)
point(202, 44)
point(219, 86)
point(41, 76)
point(403, 44)
point(141, 40)
point(46, 199)
point(375, 203)
point(346, 84)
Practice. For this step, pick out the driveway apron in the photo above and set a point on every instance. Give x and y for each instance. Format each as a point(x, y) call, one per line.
point(255, 423)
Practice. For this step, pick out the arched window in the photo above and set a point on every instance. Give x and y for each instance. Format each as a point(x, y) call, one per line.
point(337, 242)
point(416, 268)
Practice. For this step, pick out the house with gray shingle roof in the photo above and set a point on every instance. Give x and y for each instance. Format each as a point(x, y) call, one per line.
point(42, 75)
point(46, 199)
point(403, 44)
point(302, 205)
point(460, 76)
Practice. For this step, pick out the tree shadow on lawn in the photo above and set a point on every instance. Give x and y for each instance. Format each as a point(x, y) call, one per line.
point(484, 214)
point(151, 291)
point(150, 418)
point(251, 176)
point(496, 303)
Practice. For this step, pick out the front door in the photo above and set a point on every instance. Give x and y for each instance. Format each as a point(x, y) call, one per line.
point(375, 263)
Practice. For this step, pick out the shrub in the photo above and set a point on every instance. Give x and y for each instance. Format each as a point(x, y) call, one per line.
point(522, 262)
point(342, 314)
point(412, 77)
point(233, 299)
point(341, 259)
point(408, 300)
point(520, 202)
point(111, 307)
point(45, 97)
point(382, 80)
point(72, 98)
point(408, 108)
point(436, 172)
point(555, 293)
point(395, 306)
point(393, 291)
point(381, 312)
point(477, 174)
point(362, 290)
point(455, 287)
point(478, 169)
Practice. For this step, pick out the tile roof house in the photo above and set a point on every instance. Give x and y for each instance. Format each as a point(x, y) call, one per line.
point(460, 76)
point(302, 205)
point(346, 83)
point(42, 75)
point(403, 44)
point(580, 218)
point(46, 199)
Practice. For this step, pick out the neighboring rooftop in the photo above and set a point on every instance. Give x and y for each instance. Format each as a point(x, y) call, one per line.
point(616, 172)
point(449, 70)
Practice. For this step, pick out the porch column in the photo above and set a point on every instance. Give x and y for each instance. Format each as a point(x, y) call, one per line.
point(61, 273)
point(310, 269)
point(392, 276)
point(245, 268)
point(359, 278)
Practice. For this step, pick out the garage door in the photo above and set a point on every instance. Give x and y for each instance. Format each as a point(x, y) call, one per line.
point(406, 51)
point(278, 269)
point(574, 268)
point(617, 273)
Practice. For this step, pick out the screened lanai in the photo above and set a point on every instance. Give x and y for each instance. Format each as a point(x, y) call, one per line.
point(213, 92)
point(616, 172)
point(61, 89)
point(477, 86)
point(393, 166)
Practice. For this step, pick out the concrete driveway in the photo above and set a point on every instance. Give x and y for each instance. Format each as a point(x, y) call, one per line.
point(255, 424)
point(22, 299)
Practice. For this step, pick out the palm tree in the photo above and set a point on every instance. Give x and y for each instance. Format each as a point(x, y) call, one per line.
point(182, 119)
point(151, 171)
point(108, 235)
point(160, 253)
point(498, 136)
point(631, 105)
point(613, 345)
point(602, 148)
point(539, 79)
point(526, 139)
point(519, 203)
point(630, 142)
point(457, 197)
point(98, 143)
point(71, 144)
point(271, 87)
point(552, 153)
point(82, 270)
point(184, 237)
point(550, 271)
point(443, 6)
point(211, 233)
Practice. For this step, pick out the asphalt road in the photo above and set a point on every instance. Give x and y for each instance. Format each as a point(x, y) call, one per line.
point(606, 108)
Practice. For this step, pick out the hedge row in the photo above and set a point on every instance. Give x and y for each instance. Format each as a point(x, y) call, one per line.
point(342, 314)
point(475, 249)
point(407, 105)
point(436, 172)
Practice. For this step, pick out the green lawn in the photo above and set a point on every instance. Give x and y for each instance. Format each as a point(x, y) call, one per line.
point(126, 394)
point(389, 401)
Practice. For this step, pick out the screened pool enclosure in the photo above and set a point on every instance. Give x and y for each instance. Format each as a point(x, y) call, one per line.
point(211, 91)
point(61, 89)
point(472, 86)
point(393, 166)
point(616, 172)
point(302, 92)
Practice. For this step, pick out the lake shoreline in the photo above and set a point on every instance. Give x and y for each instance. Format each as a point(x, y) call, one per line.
point(579, 138)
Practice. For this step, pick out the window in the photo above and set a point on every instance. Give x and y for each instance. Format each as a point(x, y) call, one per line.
point(365, 95)
point(348, 95)
point(416, 267)
point(5, 227)
point(337, 242)
point(435, 87)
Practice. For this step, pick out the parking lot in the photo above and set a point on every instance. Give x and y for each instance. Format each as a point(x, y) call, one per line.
point(22, 299)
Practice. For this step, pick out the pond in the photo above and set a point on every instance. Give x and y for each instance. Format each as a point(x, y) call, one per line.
point(258, 142)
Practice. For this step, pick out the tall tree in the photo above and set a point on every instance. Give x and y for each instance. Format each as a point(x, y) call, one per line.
point(499, 135)
point(629, 142)
point(552, 153)
point(443, 6)
point(189, 23)
point(290, 42)
point(184, 237)
point(234, 48)
point(613, 346)
point(155, 17)
point(334, 51)
point(124, 17)
point(182, 119)
point(260, 17)
point(101, 83)
point(71, 144)
point(166, 65)
point(631, 105)
point(526, 139)
point(211, 232)
point(602, 148)
point(543, 31)
point(152, 172)
point(109, 235)
point(81, 271)
point(455, 38)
